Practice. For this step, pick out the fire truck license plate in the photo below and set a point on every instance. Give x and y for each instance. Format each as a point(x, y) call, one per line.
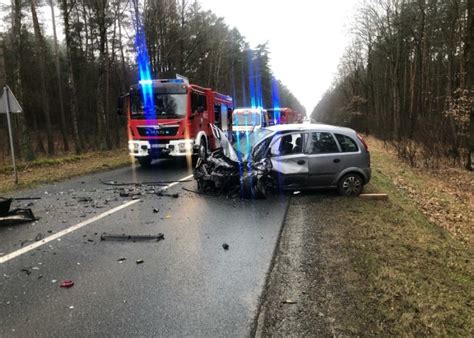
point(158, 145)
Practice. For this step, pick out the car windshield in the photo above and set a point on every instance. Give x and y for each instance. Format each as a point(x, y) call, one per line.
point(245, 142)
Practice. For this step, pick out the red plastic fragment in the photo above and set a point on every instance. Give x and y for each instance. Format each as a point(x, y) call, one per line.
point(67, 283)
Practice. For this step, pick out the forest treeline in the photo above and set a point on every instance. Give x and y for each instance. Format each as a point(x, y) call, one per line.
point(408, 78)
point(68, 82)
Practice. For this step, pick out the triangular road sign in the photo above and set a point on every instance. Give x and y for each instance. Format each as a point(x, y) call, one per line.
point(14, 106)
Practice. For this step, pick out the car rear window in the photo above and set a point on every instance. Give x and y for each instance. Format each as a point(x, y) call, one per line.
point(347, 144)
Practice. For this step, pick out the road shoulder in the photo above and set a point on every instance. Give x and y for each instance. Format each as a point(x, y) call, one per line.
point(367, 267)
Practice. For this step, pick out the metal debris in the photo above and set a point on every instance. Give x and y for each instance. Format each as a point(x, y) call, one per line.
point(83, 199)
point(153, 183)
point(132, 238)
point(17, 216)
point(140, 261)
point(26, 270)
point(161, 193)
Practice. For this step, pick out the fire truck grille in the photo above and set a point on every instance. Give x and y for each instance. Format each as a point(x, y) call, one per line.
point(155, 131)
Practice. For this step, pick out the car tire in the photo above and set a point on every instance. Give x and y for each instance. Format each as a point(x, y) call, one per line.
point(351, 185)
point(145, 162)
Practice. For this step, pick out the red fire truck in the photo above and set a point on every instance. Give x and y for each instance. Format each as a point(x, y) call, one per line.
point(171, 117)
point(283, 115)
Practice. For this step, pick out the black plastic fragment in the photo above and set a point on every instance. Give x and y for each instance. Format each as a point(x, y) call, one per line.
point(132, 238)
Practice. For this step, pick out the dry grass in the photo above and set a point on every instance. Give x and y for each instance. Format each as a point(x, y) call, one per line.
point(413, 254)
point(410, 271)
point(48, 170)
point(444, 195)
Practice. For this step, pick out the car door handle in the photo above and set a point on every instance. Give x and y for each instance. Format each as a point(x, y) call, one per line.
point(337, 160)
point(301, 162)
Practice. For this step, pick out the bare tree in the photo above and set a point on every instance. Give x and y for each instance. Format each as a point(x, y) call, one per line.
point(58, 74)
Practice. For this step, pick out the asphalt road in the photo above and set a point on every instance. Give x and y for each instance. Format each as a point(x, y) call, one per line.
point(187, 285)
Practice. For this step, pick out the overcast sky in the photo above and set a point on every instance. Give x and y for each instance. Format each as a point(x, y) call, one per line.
point(306, 38)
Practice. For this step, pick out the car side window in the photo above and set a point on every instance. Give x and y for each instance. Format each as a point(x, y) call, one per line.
point(347, 144)
point(288, 144)
point(322, 143)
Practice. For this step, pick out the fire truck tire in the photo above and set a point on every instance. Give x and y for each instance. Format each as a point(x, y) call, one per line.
point(202, 148)
point(145, 162)
point(202, 152)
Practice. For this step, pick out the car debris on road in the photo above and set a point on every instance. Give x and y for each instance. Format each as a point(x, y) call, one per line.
point(67, 284)
point(132, 238)
point(15, 216)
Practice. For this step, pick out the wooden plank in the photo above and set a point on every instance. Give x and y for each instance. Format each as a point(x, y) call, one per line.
point(374, 196)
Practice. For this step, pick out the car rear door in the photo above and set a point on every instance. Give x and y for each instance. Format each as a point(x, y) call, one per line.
point(323, 154)
point(289, 163)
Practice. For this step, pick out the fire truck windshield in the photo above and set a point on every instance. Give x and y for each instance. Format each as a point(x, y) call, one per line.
point(163, 106)
point(253, 119)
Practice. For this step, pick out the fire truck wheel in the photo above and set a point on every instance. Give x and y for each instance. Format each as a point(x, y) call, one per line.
point(202, 149)
point(145, 162)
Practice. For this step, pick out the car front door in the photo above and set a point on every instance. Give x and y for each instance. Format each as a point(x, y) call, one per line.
point(323, 158)
point(289, 163)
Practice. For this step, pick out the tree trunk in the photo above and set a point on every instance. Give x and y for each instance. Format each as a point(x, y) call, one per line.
point(104, 135)
point(24, 148)
point(72, 80)
point(469, 59)
point(60, 86)
point(41, 48)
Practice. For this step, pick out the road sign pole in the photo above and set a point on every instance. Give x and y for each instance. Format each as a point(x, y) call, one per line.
point(10, 134)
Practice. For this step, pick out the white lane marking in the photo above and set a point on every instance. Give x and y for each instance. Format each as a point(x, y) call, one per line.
point(60, 234)
point(177, 182)
point(57, 235)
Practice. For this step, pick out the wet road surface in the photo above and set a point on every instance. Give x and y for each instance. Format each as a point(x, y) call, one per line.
point(187, 284)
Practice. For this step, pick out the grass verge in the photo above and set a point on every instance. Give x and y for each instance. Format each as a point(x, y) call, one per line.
point(412, 275)
point(368, 267)
point(46, 170)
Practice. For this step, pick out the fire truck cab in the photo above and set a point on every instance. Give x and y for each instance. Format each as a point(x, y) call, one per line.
point(171, 117)
point(249, 119)
point(282, 115)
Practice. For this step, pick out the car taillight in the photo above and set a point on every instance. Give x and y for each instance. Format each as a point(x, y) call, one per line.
point(363, 142)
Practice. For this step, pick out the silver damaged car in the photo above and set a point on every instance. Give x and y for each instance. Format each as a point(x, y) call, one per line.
point(287, 157)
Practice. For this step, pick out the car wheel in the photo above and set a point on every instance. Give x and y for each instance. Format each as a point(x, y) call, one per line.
point(145, 162)
point(351, 185)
